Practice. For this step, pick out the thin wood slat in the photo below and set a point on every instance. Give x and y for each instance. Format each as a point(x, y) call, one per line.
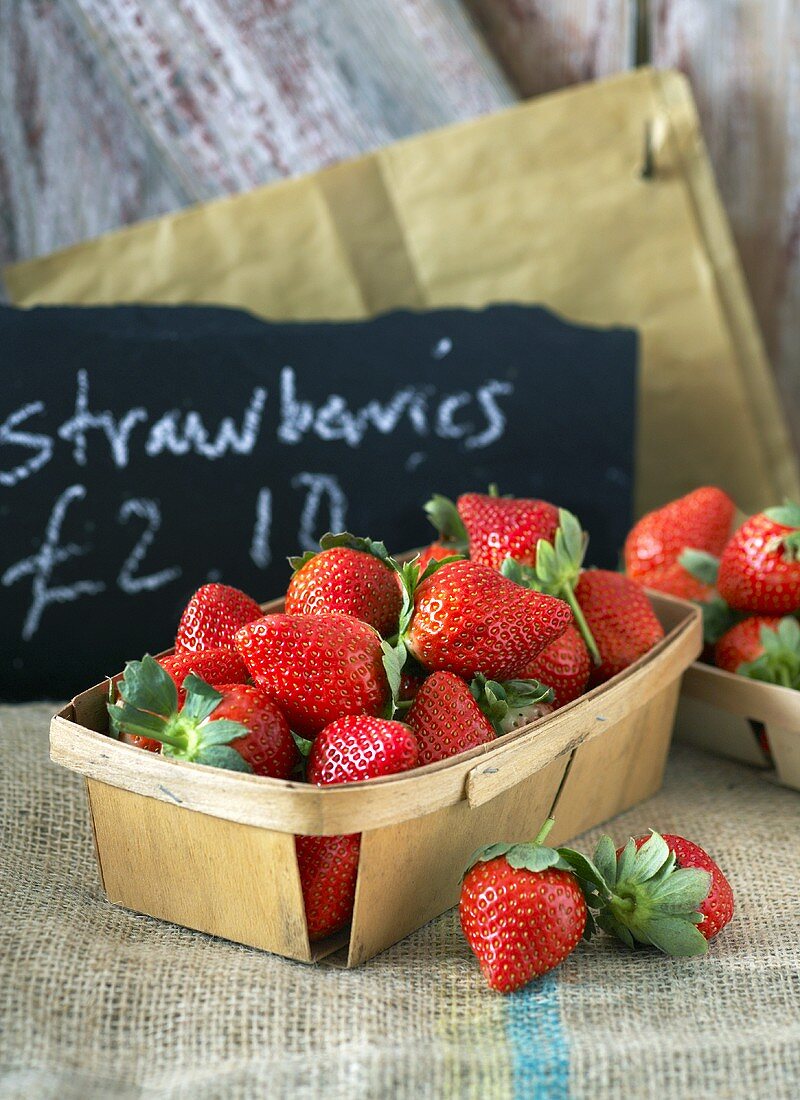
point(718, 710)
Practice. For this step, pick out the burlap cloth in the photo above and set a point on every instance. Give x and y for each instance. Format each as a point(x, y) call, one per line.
point(98, 1002)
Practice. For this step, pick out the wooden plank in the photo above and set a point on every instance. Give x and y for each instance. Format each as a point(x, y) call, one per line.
point(548, 44)
point(238, 94)
point(411, 872)
point(74, 160)
point(743, 61)
point(216, 876)
point(609, 774)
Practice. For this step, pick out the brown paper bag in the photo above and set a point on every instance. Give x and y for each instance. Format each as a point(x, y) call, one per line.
point(546, 203)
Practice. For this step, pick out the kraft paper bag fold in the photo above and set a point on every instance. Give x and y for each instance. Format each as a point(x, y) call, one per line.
point(543, 203)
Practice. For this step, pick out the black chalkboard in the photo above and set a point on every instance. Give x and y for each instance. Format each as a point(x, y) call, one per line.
point(145, 450)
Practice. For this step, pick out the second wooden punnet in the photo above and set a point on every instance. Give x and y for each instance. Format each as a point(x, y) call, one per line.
point(214, 850)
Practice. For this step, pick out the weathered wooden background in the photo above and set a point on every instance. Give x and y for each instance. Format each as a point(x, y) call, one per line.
point(116, 110)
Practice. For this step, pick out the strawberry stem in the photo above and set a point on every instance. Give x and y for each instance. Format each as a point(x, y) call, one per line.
point(581, 623)
point(542, 835)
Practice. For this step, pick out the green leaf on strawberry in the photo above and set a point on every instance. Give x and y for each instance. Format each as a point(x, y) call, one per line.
point(443, 514)
point(558, 567)
point(148, 707)
point(780, 661)
point(701, 565)
point(643, 896)
point(508, 704)
point(330, 541)
point(411, 577)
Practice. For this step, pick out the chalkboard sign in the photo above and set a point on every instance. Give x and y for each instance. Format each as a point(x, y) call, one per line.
point(146, 450)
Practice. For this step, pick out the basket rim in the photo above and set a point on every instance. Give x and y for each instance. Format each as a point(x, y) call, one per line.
point(299, 807)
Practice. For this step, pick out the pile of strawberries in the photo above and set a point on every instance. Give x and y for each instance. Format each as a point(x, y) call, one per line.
point(378, 666)
point(748, 581)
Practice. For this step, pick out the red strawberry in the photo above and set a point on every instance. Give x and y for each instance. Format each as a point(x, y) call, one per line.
point(621, 620)
point(328, 867)
point(742, 642)
point(350, 576)
point(564, 666)
point(501, 527)
point(662, 891)
point(236, 726)
point(358, 747)
point(522, 912)
point(760, 567)
point(468, 618)
point(764, 648)
point(213, 615)
point(446, 719)
point(215, 666)
point(316, 667)
point(717, 907)
point(675, 580)
point(437, 551)
point(449, 716)
point(701, 520)
point(452, 535)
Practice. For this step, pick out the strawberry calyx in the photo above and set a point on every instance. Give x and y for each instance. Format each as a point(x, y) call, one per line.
point(443, 514)
point(411, 577)
point(509, 704)
point(558, 567)
point(787, 515)
point(780, 661)
point(643, 896)
point(530, 855)
point(331, 541)
point(536, 856)
point(701, 565)
point(148, 707)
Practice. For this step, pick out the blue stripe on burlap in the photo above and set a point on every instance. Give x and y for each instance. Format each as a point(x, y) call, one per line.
point(538, 1042)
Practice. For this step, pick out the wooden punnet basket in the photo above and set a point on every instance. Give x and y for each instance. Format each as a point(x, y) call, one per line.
point(721, 713)
point(214, 850)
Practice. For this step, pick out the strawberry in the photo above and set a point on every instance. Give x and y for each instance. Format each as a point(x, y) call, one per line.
point(215, 666)
point(350, 576)
point(676, 580)
point(701, 520)
point(328, 867)
point(564, 666)
point(437, 551)
point(764, 648)
point(446, 719)
point(449, 716)
point(451, 532)
point(663, 891)
point(235, 726)
point(620, 618)
point(522, 911)
point(360, 747)
point(347, 751)
point(467, 618)
point(316, 667)
point(213, 615)
point(500, 527)
point(759, 569)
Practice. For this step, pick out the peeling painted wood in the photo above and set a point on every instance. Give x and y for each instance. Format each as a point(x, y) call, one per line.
point(74, 160)
point(547, 44)
point(743, 60)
